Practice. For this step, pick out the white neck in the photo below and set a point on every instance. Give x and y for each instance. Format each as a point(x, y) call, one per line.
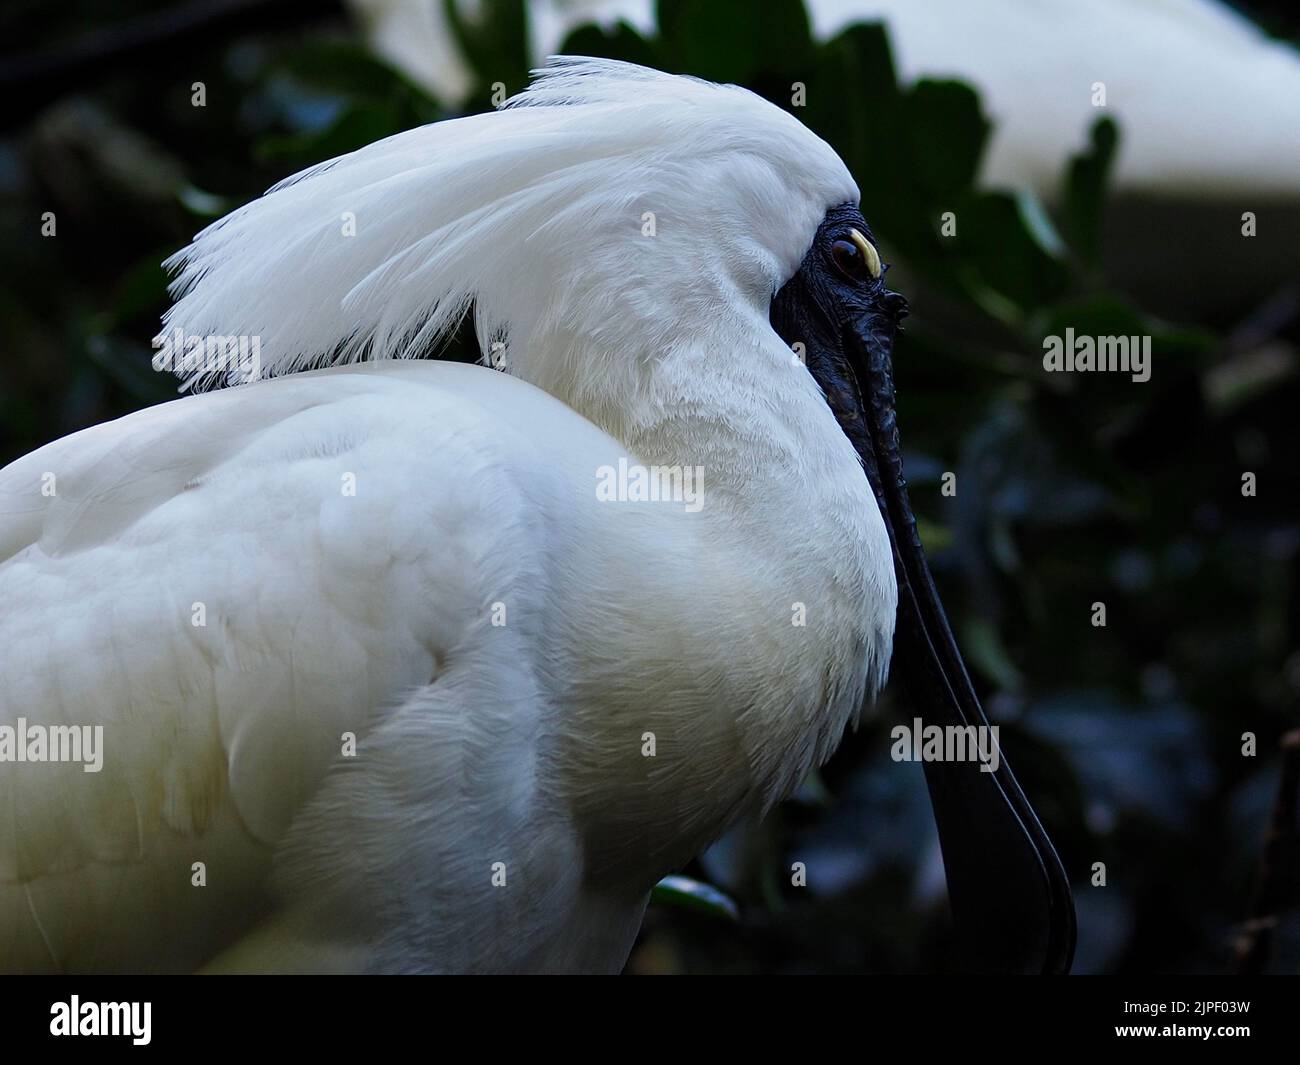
point(756, 625)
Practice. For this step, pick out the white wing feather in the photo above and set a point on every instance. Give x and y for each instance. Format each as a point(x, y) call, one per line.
point(320, 611)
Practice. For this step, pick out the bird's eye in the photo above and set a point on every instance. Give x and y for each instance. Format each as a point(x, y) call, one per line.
point(847, 258)
point(855, 257)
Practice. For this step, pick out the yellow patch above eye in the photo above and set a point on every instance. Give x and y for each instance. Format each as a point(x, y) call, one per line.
point(869, 253)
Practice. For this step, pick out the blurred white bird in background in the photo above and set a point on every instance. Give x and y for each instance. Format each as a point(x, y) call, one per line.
point(385, 682)
point(1208, 107)
point(1179, 75)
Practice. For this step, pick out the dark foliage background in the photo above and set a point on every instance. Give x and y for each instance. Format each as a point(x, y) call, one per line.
point(1070, 490)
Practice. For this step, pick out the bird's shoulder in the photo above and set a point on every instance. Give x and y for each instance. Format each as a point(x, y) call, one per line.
point(229, 588)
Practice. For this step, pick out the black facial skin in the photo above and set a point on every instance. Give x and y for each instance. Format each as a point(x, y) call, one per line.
point(1009, 893)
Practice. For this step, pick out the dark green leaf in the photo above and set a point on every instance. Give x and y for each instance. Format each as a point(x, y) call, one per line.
point(688, 894)
point(619, 41)
point(947, 132)
point(1085, 189)
point(734, 40)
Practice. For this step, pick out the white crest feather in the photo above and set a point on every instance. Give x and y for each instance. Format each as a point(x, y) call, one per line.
point(533, 215)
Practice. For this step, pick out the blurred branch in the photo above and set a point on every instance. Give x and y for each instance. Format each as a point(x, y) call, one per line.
point(29, 82)
point(1275, 888)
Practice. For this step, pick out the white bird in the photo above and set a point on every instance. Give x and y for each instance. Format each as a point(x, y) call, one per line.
point(386, 680)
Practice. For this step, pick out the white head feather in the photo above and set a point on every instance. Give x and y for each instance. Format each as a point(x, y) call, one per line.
point(534, 215)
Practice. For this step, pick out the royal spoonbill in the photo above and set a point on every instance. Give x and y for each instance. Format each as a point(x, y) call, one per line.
point(357, 665)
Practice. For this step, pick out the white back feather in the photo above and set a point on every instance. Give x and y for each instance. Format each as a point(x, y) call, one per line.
point(533, 215)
